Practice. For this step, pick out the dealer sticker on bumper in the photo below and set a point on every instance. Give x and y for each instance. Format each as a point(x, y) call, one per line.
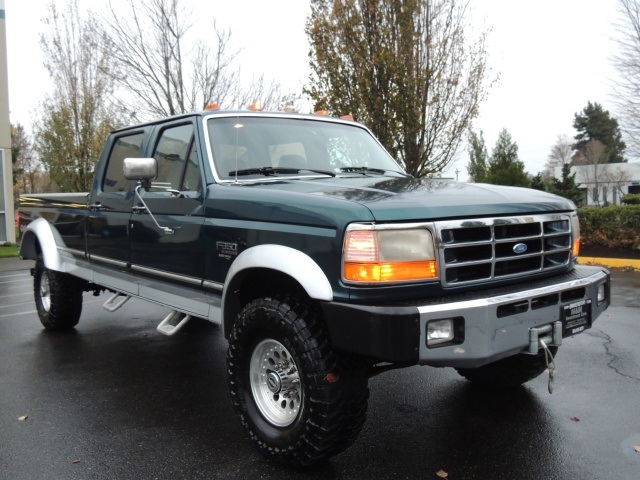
point(576, 317)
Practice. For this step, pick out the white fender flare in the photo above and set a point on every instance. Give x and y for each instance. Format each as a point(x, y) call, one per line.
point(47, 236)
point(289, 261)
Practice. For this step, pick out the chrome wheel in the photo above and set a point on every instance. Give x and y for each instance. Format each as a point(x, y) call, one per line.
point(275, 383)
point(298, 400)
point(58, 297)
point(45, 292)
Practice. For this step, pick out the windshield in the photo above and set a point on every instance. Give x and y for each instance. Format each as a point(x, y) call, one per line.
point(254, 145)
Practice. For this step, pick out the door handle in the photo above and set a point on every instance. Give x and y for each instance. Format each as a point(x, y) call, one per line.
point(139, 209)
point(95, 206)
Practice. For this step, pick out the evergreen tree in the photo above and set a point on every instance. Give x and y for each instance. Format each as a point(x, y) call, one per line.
point(567, 187)
point(595, 123)
point(539, 183)
point(504, 166)
point(478, 157)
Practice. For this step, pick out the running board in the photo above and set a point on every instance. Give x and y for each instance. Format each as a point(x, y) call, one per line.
point(173, 322)
point(116, 301)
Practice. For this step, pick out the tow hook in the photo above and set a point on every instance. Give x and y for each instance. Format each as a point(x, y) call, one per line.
point(541, 337)
point(551, 366)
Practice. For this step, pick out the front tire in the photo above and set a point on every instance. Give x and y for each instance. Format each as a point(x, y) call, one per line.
point(509, 372)
point(298, 400)
point(58, 297)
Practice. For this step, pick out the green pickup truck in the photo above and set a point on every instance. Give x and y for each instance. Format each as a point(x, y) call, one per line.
point(323, 262)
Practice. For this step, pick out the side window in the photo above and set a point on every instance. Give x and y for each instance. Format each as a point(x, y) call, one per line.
point(176, 158)
point(192, 179)
point(124, 147)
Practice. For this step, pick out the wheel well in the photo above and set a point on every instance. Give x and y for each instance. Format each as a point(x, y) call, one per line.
point(256, 283)
point(30, 246)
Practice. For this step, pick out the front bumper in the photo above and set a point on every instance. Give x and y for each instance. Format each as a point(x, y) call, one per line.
point(490, 324)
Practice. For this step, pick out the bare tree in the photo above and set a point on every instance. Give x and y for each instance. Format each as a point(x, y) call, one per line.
point(616, 177)
point(627, 62)
point(406, 68)
point(593, 160)
point(25, 163)
point(560, 155)
point(166, 73)
point(75, 120)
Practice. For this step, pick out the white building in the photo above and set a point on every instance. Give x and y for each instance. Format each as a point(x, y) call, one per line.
point(7, 223)
point(605, 184)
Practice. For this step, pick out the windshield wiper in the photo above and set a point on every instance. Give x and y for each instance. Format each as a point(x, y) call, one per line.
point(366, 170)
point(323, 172)
point(363, 170)
point(268, 171)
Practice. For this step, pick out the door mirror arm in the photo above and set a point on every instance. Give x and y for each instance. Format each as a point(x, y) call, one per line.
point(166, 230)
point(143, 170)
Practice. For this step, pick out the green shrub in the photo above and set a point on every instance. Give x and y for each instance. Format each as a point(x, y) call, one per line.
point(631, 199)
point(613, 227)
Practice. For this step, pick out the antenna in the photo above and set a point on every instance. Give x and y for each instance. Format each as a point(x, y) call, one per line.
point(237, 126)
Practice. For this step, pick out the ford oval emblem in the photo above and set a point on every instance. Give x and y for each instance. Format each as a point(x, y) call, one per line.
point(519, 248)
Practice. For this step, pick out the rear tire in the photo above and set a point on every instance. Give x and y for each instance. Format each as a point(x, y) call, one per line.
point(298, 400)
point(509, 372)
point(58, 297)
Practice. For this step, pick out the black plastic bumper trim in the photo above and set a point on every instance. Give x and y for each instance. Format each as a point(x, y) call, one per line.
point(387, 334)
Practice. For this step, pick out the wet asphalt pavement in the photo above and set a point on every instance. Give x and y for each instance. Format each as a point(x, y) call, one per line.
point(114, 399)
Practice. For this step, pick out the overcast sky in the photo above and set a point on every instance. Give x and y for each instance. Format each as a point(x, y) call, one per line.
point(552, 56)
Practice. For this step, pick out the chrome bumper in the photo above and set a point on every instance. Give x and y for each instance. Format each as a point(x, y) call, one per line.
point(509, 323)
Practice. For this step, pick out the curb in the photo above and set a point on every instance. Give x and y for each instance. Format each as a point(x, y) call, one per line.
point(610, 262)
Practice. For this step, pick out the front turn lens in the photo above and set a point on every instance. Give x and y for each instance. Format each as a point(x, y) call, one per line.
point(391, 255)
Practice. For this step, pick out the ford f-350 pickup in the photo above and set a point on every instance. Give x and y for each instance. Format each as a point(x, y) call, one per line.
point(323, 262)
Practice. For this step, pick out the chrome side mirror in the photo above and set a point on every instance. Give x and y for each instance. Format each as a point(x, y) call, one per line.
point(141, 169)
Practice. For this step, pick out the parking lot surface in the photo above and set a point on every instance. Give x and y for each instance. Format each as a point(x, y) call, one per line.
point(114, 399)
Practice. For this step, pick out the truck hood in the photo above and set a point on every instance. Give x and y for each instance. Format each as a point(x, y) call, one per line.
point(400, 199)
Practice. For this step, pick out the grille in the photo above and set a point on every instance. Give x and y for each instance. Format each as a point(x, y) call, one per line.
point(476, 251)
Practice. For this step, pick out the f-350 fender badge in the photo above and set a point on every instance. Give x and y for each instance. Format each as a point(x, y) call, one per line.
point(227, 250)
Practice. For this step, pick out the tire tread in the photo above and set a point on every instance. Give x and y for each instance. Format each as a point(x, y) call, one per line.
point(335, 412)
point(65, 295)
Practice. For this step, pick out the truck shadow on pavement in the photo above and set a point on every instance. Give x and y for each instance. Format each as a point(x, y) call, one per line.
point(128, 399)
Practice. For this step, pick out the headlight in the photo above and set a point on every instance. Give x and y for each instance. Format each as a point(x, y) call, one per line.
point(575, 235)
point(373, 255)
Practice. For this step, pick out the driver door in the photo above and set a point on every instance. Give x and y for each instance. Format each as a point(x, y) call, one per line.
point(170, 267)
